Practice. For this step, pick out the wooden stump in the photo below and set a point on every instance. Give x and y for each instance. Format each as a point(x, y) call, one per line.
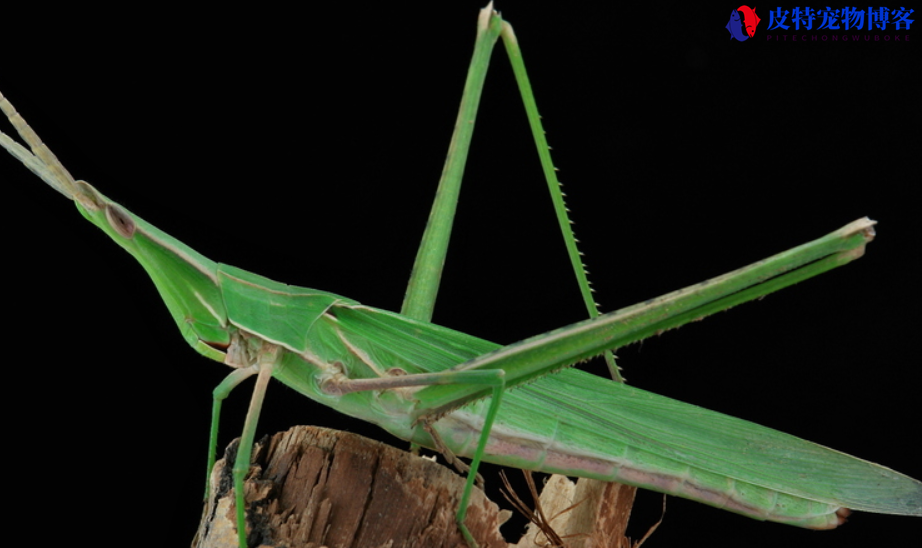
point(313, 487)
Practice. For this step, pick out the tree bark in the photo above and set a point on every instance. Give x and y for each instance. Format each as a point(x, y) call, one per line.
point(313, 487)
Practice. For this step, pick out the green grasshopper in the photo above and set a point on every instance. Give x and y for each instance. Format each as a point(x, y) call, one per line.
point(119, 220)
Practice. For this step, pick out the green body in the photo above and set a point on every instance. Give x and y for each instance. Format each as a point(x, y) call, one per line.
point(624, 434)
point(569, 421)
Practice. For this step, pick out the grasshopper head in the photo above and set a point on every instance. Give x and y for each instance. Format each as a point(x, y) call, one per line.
point(186, 280)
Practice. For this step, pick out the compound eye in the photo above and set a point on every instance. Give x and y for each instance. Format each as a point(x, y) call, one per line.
point(120, 221)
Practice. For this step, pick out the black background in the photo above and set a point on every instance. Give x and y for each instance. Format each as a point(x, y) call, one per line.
point(306, 147)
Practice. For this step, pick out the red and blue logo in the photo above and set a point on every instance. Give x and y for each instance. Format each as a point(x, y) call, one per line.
point(740, 17)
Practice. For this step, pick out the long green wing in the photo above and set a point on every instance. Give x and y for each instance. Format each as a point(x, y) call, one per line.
point(608, 420)
point(578, 424)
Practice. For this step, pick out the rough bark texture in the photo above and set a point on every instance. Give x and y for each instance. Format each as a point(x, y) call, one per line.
point(313, 487)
